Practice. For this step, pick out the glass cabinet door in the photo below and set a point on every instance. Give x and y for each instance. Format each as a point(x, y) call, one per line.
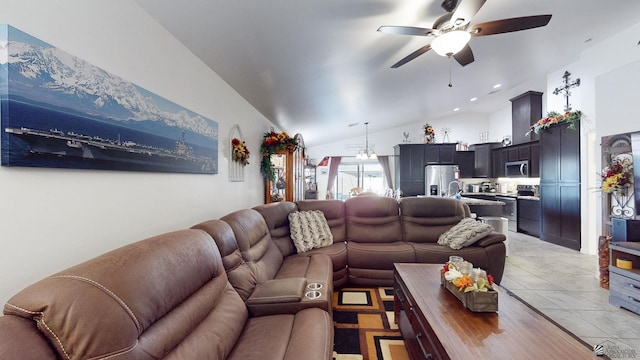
point(281, 189)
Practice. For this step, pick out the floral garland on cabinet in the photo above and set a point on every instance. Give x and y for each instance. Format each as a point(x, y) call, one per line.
point(272, 142)
point(569, 117)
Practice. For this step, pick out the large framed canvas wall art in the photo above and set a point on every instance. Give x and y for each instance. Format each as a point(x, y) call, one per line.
point(60, 111)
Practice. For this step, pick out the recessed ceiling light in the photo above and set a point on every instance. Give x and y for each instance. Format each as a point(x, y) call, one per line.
point(473, 99)
point(497, 86)
point(456, 109)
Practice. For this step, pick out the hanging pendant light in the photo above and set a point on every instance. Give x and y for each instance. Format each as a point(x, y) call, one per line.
point(366, 154)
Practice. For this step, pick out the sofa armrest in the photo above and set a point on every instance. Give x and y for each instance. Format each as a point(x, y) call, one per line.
point(20, 339)
point(492, 238)
point(278, 291)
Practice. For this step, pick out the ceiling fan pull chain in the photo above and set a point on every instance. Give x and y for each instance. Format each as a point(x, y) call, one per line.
point(450, 85)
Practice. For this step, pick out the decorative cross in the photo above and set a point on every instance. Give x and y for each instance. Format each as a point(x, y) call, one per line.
point(565, 89)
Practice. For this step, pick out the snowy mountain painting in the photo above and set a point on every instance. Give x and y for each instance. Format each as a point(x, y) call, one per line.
point(59, 111)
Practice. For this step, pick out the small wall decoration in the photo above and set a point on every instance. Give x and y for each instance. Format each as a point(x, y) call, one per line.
point(59, 111)
point(238, 153)
point(445, 134)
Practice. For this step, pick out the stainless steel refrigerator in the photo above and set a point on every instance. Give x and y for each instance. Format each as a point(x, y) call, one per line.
point(438, 178)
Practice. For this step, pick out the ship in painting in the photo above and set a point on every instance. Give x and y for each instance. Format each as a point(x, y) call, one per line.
point(70, 144)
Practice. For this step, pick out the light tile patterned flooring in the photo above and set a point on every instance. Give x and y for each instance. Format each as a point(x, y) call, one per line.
point(563, 284)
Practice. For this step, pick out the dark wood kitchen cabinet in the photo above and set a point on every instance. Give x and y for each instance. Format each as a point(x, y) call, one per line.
point(534, 160)
point(526, 110)
point(409, 169)
point(466, 163)
point(483, 159)
point(439, 153)
point(560, 186)
point(529, 216)
point(499, 157)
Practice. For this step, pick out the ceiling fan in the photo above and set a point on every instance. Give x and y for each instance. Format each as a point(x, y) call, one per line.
point(452, 31)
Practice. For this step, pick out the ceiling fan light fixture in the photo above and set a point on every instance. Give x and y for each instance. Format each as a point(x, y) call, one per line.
point(450, 43)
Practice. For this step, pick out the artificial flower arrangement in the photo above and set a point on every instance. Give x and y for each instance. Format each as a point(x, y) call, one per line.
point(429, 133)
point(617, 176)
point(479, 281)
point(241, 153)
point(569, 117)
point(473, 287)
point(272, 142)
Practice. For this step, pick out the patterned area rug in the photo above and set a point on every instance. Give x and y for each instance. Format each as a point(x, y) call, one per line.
point(364, 325)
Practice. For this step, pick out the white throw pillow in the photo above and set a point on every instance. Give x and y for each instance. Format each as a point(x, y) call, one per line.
point(464, 233)
point(309, 230)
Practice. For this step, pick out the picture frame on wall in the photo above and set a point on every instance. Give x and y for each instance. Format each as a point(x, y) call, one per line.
point(59, 111)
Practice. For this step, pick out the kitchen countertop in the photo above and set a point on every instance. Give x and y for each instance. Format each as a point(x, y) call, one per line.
point(493, 194)
point(472, 201)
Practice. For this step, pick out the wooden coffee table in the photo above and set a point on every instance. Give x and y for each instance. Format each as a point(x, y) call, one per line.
point(435, 324)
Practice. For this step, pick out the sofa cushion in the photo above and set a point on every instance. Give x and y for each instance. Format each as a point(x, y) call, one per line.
point(309, 230)
point(372, 219)
point(276, 216)
point(424, 219)
point(254, 241)
point(240, 275)
point(307, 334)
point(465, 233)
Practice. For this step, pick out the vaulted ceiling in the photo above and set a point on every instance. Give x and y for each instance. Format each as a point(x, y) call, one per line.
point(315, 67)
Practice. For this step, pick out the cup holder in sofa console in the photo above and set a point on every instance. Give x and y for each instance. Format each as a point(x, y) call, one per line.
point(314, 294)
point(314, 286)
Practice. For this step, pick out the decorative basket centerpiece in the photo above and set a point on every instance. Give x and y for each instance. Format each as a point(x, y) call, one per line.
point(473, 287)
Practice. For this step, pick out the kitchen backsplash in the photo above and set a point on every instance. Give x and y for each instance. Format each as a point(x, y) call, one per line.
point(499, 185)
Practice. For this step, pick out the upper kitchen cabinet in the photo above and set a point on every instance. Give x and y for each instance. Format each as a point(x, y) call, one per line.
point(465, 161)
point(440, 153)
point(526, 110)
point(409, 168)
point(484, 160)
point(534, 161)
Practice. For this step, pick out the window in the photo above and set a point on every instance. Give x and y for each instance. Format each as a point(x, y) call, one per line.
point(365, 176)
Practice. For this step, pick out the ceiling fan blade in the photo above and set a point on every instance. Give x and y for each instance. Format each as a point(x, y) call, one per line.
point(411, 56)
point(406, 30)
point(465, 11)
point(465, 56)
point(509, 25)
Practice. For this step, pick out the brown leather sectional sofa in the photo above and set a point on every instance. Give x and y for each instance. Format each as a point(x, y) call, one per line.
point(231, 288)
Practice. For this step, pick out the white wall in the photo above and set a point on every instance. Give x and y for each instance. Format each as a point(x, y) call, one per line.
point(52, 218)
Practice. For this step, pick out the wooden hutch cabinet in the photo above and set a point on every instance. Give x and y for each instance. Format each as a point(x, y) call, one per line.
point(289, 184)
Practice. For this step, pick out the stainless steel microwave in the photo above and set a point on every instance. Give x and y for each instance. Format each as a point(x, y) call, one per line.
point(516, 169)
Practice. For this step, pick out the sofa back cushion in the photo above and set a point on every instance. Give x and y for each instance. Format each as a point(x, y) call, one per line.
point(254, 241)
point(147, 300)
point(424, 219)
point(238, 272)
point(276, 217)
point(334, 213)
point(372, 219)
